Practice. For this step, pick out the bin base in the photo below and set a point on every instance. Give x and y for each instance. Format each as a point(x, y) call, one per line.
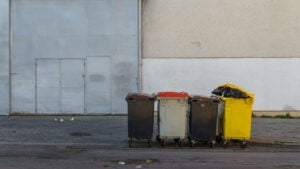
point(227, 141)
point(149, 141)
point(210, 142)
point(162, 140)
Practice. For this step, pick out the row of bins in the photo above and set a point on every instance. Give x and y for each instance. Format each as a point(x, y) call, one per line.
point(198, 118)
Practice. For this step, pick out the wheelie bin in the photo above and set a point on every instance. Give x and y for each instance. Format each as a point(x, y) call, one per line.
point(172, 116)
point(236, 117)
point(140, 117)
point(202, 119)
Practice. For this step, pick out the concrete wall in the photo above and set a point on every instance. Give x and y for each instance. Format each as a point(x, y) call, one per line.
point(221, 28)
point(4, 57)
point(196, 45)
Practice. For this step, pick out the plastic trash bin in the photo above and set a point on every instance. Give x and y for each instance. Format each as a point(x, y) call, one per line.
point(172, 116)
point(140, 117)
point(236, 117)
point(203, 119)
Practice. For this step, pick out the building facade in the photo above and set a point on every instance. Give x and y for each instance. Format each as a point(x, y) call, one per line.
point(84, 56)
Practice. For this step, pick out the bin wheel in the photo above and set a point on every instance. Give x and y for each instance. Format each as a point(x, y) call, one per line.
point(192, 143)
point(212, 144)
point(180, 142)
point(190, 139)
point(219, 138)
point(130, 142)
point(225, 143)
point(158, 139)
point(149, 143)
point(163, 143)
point(243, 144)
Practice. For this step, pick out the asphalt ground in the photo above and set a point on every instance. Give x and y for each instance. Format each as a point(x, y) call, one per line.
point(62, 142)
point(111, 132)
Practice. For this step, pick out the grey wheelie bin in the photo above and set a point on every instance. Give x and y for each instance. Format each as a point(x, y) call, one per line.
point(202, 119)
point(140, 117)
point(172, 116)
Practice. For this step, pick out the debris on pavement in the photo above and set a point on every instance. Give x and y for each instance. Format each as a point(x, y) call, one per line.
point(139, 166)
point(121, 163)
point(149, 161)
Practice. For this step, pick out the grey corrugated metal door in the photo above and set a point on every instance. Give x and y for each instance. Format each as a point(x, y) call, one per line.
point(72, 86)
point(55, 41)
point(48, 86)
point(60, 86)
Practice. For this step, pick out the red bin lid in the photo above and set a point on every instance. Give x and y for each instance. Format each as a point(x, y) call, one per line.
point(173, 94)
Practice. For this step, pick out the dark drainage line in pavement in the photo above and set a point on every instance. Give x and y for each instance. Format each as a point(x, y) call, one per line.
point(80, 134)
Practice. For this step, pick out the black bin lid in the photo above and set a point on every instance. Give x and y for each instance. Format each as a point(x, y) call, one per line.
point(203, 98)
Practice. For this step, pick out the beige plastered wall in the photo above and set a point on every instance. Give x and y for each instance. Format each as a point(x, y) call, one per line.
point(196, 45)
point(220, 28)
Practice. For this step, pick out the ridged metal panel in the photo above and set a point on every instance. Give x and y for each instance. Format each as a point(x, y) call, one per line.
point(79, 29)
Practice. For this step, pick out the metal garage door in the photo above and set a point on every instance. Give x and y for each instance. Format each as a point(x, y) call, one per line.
point(60, 86)
point(74, 57)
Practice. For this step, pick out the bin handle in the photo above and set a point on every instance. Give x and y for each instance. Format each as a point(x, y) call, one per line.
point(130, 99)
point(216, 101)
point(248, 102)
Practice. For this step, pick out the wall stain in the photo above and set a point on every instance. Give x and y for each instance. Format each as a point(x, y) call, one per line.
point(96, 78)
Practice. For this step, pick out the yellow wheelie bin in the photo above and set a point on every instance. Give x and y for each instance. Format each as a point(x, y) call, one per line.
point(235, 117)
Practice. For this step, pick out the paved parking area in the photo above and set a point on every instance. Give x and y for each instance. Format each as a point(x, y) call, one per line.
point(111, 131)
